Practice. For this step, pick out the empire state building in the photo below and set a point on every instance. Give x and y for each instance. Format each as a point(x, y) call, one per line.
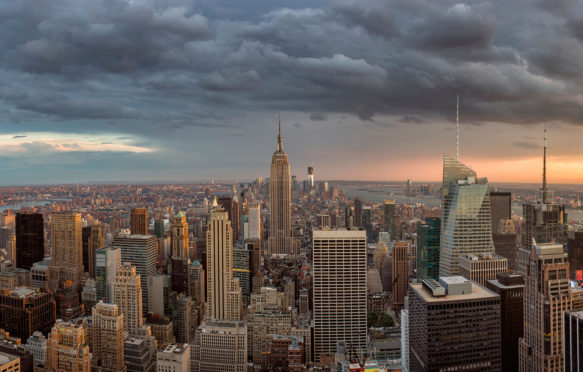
point(280, 230)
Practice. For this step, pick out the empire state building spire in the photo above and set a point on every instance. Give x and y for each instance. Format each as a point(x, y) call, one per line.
point(544, 189)
point(279, 142)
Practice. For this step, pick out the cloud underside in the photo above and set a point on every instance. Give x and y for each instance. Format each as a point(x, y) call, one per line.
point(514, 62)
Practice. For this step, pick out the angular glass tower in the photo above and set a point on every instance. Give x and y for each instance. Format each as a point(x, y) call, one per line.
point(466, 222)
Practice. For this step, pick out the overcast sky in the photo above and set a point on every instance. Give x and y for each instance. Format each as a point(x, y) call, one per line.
point(129, 90)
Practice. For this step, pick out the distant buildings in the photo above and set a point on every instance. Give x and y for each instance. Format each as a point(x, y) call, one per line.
point(389, 218)
point(454, 325)
point(339, 289)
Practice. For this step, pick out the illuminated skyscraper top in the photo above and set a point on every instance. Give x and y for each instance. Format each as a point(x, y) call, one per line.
point(280, 230)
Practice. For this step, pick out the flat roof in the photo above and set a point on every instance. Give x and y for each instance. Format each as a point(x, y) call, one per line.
point(478, 292)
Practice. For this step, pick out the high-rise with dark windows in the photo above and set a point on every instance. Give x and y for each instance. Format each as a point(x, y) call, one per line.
point(428, 249)
point(30, 241)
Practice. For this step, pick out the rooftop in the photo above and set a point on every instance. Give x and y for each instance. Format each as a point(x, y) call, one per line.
point(478, 292)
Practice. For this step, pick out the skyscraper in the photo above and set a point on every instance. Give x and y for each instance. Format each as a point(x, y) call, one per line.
point(139, 221)
point(400, 272)
point(546, 296)
point(465, 223)
point(358, 212)
point(219, 346)
point(339, 289)
point(510, 287)
point(107, 262)
point(389, 218)
point(180, 236)
point(107, 336)
point(223, 293)
point(500, 208)
point(428, 235)
point(92, 241)
point(25, 310)
point(544, 220)
point(280, 229)
point(30, 241)
point(66, 250)
point(254, 224)
point(127, 295)
point(140, 250)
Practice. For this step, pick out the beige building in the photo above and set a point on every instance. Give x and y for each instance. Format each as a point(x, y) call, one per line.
point(127, 295)
point(108, 339)
point(224, 296)
point(68, 348)
point(219, 346)
point(180, 247)
point(173, 358)
point(66, 250)
point(280, 229)
point(482, 267)
point(547, 295)
point(339, 287)
point(9, 363)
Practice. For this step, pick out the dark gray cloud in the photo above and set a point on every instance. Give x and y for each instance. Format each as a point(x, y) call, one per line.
point(147, 69)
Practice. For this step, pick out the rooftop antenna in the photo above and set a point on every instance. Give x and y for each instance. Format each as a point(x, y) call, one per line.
point(544, 189)
point(279, 144)
point(457, 129)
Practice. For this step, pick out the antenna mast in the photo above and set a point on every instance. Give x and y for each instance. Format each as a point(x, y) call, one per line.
point(544, 189)
point(457, 129)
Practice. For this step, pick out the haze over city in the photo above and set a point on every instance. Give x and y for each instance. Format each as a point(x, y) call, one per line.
point(149, 90)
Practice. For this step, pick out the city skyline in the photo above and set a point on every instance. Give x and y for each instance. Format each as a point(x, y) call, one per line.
point(93, 102)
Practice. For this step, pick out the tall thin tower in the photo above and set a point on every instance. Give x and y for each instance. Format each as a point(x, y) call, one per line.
point(545, 191)
point(280, 230)
point(457, 129)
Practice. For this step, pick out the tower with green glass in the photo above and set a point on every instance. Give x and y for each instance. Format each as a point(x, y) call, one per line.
point(428, 235)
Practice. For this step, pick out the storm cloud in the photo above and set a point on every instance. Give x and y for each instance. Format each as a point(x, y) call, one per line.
point(140, 68)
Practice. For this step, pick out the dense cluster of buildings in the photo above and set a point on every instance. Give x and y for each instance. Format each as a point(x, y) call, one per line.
point(275, 275)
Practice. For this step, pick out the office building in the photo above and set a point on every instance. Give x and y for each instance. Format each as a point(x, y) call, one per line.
point(24, 310)
point(510, 287)
point(139, 355)
point(573, 341)
point(465, 223)
point(505, 242)
point(339, 287)
point(198, 283)
point(184, 322)
point(500, 209)
point(219, 346)
point(37, 344)
point(367, 222)
point(139, 221)
point(107, 338)
point(242, 270)
point(181, 275)
point(358, 212)
point(405, 339)
point(174, 358)
point(482, 267)
point(428, 235)
point(180, 247)
point(454, 325)
point(547, 295)
point(30, 239)
point(140, 250)
point(66, 250)
point(389, 218)
point(68, 348)
point(159, 228)
point(107, 262)
point(254, 222)
point(13, 347)
point(400, 266)
point(223, 292)
point(127, 295)
point(92, 241)
point(161, 296)
point(280, 229)
point(39, 274)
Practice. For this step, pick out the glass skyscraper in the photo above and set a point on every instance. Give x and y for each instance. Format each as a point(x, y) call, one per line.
point(466, 222)
point(428, 249)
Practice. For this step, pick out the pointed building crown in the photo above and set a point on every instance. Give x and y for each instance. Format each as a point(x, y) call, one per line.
point(279, 141)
